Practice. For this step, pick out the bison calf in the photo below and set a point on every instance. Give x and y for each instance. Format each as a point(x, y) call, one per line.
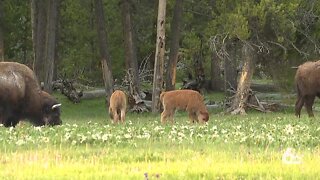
point(189, 100)
point(118, 106)
point(307, 81)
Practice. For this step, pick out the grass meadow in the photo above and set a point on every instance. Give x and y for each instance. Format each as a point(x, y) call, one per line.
point(88, 146)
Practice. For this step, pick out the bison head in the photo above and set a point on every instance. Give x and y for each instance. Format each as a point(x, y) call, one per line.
point(203, 116)
point(50, 110)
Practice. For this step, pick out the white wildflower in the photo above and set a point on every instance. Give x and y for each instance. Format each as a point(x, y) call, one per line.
point(289, 129)
point(291, 157)
point(127, 136)
point(20, 142)
point(38, 128)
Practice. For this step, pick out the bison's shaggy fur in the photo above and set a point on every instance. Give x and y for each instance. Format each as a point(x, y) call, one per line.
point(21, 97)
point(307, 81)
point(118, 106)
point(189, 100)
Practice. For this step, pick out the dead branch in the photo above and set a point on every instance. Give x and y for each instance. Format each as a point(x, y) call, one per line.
point(66, 87)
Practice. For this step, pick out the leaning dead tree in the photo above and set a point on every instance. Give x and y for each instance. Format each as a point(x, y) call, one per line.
point(243, 91)
point(241, 97)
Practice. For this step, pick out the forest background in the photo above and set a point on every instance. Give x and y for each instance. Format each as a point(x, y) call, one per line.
point(207, 40)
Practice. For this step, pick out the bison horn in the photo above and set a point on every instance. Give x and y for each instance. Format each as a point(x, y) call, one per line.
point(55, 106)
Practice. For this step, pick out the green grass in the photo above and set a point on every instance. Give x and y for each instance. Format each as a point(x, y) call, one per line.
point(89, 146)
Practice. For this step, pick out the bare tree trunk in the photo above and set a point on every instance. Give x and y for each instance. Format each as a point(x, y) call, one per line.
point(198, 64)
point(51, 43)
point(40, 41)
point(104, 51)
point(130, 51)
point(174, 45)
point(242, 94)
point(56, 54)
point(34, 19)
point(216, 80)
point(1, 31)
point(230, 68)
point(159, 57)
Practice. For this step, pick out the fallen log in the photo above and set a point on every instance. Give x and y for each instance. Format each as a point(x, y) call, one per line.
point(94, 94)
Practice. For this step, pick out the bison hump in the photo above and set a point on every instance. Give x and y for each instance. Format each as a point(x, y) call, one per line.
point(12, 83)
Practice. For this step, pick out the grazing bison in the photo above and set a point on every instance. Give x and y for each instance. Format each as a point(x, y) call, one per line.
point(118, 106)
point(21, 98)
point(189, 100)
point(307, 81)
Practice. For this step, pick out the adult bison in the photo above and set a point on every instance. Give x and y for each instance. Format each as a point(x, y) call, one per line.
point(308, 86)
point(22, 98)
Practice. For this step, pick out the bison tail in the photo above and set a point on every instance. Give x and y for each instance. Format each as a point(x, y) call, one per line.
point(161, 96)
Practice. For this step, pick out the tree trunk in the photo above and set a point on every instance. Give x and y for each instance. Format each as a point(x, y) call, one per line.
point(130, 51)
point(104, 51)
point(159, 57)
point(40, 41)
point(51, 43)
point(1, 31)
point(230, 68)
point(216, 80)
point(243, 90)
point(198, 66)
point(34, 19)
point(174, 45)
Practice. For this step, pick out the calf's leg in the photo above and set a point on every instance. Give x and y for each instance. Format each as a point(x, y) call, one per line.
point(123, 115)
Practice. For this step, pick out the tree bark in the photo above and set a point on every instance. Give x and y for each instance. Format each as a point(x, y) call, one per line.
point(198, 66)
point(104, 51)
point(1, 31)
point(34, 9)
point(159, 57)
point(40, 21)
point(174, 45)
point(51, 43)
point(130, 51)
point(216, 80)
point(230, 68)
point(243, 90)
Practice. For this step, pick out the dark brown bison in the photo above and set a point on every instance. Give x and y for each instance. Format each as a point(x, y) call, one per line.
point(189, 100)
point(21, 98)
point(307, 81)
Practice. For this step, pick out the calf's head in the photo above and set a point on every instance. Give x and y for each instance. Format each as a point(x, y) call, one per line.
point(203, 116)
point(50, 110)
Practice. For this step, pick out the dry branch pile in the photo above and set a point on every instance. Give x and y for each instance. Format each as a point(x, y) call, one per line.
point(253, 102)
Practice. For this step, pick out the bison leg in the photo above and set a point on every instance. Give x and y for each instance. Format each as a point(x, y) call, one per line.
point(309, 100)
point(123, 115)
point(298, 106)
point(167, 114)
point(115, 117)
point(192, 116)
point(11, 122)
point(164, 116)
point(110, 113)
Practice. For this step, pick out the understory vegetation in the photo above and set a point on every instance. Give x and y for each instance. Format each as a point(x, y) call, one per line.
point(89, 146)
